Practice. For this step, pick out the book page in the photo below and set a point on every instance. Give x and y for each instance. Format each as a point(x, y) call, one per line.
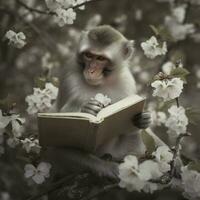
point(71, 115)
point(120, 105)
point(119, 123)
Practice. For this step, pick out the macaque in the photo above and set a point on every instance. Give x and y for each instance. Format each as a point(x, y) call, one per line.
point(100, 65)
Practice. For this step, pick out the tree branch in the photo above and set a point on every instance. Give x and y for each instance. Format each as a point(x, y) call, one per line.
point(47, 12)
point(32, 9)
point(52, 188)
point(100, 192)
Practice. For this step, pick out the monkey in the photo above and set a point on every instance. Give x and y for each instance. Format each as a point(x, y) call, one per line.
point(99, 65)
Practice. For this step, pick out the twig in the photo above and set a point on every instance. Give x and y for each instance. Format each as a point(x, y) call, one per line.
point(176, 150)
point(44, 12)
point(102, 191)
point(33, 9)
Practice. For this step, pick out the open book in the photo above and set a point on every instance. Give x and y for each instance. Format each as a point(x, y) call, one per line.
point(88, 132)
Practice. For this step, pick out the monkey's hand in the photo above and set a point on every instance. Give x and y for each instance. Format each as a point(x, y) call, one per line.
point(92, 107)
point(142, 120)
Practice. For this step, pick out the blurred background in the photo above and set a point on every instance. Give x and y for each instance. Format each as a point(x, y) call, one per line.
point(49, 46)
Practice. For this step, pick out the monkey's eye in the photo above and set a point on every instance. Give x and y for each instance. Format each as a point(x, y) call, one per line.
point(101, 58)
point(88, 55)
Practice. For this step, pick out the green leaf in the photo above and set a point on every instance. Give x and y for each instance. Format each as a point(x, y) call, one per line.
point(180, 72)
point(40, 82)
point(148, 142)
point(194, 165)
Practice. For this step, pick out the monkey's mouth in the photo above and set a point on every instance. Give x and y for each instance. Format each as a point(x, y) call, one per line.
point(94, 82)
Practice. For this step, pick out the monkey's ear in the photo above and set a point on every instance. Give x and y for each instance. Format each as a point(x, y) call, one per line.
point(128, 49)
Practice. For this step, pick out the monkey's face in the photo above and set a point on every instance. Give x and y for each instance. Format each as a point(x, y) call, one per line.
point(96, 68)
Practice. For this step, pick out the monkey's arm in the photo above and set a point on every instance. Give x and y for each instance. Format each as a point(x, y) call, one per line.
point(70, 159)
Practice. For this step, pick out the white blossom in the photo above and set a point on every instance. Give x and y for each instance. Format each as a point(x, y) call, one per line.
point(41, 100)
point(179, 13)
point(167, 89)
point(167, 67)
point(103, 99)
point(64, 16)
point(152, 48)
point(163, 156)
point(136, 177)
point(190, 183)
point(17, 39)
point(51, 90)
point(31, 145)
point(178, 30)
point(39, 173)
point(128, 174)
point(177, 121)
point(17, 122)
point(4, 120)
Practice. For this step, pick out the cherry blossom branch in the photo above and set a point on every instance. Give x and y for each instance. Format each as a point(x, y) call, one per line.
point(33, 9)
point(46, 12)
point(175, 152)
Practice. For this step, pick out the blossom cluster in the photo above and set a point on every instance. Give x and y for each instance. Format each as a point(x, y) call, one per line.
point(63, 9)
point(41, 99)
point(152, 48)
point(37, 174)
point(16, 39)
point(167, 89)
point(103, 99)
point(31, 145)
point(135, 176)
point(175, 23)
point(17, 129)
point(190, 183)
point(177, 121)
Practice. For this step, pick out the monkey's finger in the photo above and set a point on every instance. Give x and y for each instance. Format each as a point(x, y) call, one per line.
point(86, 109)
point(142, 125)
point(93, 107)
point(95, 102)
point(138, 121)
